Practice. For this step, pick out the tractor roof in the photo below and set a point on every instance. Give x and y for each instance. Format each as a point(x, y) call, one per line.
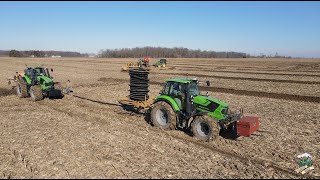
point(35, 67)
point(181, 80)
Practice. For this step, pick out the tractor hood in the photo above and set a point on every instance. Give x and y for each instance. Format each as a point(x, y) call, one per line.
point(204, 100)
point(44, 78)
point(214, 107)
point(46, 83)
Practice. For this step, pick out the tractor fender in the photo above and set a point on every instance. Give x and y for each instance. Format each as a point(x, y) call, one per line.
point(168, 100)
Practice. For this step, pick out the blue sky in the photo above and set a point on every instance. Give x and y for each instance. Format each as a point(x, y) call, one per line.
point(289, 28)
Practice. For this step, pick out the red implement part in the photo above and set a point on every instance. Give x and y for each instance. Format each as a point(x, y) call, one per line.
point(247, 125)
point(146, 59)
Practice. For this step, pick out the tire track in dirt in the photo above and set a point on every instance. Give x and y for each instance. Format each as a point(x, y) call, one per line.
point(240, 67)
point(243, 78)
point(215, 66)
point(196, 69)
point(291, 97)
point(277, 70)
point(264, 163)
point(23, 160)
point(225, 153)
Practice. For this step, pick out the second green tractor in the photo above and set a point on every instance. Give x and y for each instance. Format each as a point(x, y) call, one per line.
point(37, 83)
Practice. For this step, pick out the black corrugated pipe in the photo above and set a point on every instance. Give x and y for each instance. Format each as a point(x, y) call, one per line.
point(139, 84)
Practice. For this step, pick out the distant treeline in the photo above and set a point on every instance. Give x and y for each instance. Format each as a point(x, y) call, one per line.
point(138, 52)
point(36, 53)
point(160, 52)
point(4, 53)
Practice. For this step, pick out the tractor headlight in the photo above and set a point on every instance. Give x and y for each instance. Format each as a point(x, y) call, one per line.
point(224, 111)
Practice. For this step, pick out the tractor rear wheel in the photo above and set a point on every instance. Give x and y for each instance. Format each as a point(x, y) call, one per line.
point(205, 128)
point(21, 88)
point(163, 116)
point(36, 93)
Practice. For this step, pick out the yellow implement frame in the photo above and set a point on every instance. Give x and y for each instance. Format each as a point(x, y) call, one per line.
point(146, 104)
point(130, 65)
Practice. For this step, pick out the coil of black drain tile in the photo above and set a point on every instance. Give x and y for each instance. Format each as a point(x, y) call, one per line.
point(139, 84)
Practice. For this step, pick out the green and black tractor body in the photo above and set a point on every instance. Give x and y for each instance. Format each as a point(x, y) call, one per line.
point(161, 63)
point(37, 83)
point(180, 105)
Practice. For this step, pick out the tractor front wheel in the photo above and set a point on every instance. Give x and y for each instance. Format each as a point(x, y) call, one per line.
point(163, 116)
point(21, 88)
point(36, 93)
point(205, 128)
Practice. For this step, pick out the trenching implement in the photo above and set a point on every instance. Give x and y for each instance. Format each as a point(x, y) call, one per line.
point(180, 105)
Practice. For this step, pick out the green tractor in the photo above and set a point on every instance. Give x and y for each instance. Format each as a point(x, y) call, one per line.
point(161, 63)
point(181, 106)
point(37, 83)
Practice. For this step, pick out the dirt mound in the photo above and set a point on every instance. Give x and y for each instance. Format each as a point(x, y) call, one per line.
point(6, 92)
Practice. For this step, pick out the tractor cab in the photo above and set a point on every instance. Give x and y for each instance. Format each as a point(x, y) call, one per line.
point(39, 76)
point(163, 61)
point(181, 90)
point(37, 71)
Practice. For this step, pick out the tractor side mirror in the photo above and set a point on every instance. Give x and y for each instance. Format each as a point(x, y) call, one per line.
point(207, 94)
point(51, 70)
point(208, 83)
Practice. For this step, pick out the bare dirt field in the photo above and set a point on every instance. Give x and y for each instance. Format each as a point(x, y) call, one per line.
point(87, 135)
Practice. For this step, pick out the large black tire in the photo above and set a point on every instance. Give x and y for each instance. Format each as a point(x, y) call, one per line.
point(163, 116)
point(231, 131)
point(22, 89)
point(205, 128)
point(58, 86)
point(36, 93)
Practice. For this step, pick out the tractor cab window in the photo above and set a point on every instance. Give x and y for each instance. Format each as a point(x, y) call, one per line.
point(177, 89)
point(167, 88)
point(39, 71)
point(29, 72)
point(174, 89)
point(194, 90)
